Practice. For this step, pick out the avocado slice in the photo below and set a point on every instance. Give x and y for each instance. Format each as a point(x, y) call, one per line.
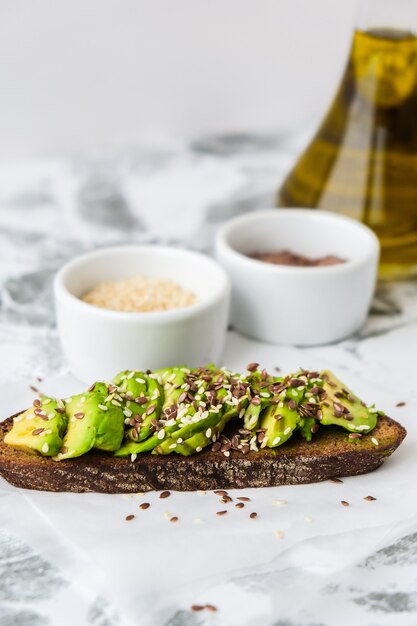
point(40, 428)
point(169, 381)
point(142, 396)
point(279, 423)
point(340, 406)
point(93, 422)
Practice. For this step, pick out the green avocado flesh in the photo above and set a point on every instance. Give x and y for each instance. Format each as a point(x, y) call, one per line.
point(185, 410)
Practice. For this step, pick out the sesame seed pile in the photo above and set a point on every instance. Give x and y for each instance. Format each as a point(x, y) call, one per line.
point(140, 294)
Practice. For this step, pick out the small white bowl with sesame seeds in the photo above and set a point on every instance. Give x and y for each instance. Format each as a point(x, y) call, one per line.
point(290, 305)
point(99, 342)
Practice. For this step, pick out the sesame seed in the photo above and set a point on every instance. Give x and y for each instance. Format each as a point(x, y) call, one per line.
point(133, 457)
point(198, 449)
point(369, 498)
point(165, 494)
point(208, 433)
point(128, 518)
point(221, 512)
point(144, 505)
point(45, 448)
point(161, 434)
point(287, 430)
point(276, 441)
point(102, 407)
point(344, 503)
point(140, 380)
point(51, 416)
point(375, 441)
point(239, 505)
point(226, 453)
point(174, 519)
point(253, 515)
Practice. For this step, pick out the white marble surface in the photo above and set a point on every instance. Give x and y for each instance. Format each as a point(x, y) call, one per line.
point(179, 195)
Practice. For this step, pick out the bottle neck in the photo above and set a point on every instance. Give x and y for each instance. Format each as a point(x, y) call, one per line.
point(387, 14)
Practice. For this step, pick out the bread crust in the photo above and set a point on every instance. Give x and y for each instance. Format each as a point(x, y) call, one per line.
point(330, 454)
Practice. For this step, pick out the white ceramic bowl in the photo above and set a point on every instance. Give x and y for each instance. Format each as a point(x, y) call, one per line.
point(299, 305)
point(99, 342)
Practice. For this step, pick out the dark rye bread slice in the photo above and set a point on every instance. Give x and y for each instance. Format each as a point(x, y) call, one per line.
point(331, 454)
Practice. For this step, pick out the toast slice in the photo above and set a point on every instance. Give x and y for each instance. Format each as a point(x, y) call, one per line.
point(330, 454)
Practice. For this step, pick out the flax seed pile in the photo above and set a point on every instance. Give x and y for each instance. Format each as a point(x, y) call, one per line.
point(140, 294)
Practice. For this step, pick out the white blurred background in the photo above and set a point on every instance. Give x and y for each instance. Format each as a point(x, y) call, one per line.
point(91, 75)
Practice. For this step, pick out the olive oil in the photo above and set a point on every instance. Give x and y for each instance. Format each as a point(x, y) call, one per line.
point(362, 161)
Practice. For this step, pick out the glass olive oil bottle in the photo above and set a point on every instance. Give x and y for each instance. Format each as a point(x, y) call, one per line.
point(362, 161)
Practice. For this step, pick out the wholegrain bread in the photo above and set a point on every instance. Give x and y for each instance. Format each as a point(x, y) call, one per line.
point(331, 454)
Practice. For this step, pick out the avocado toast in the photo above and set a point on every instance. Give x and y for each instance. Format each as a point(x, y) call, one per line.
point(202, 428)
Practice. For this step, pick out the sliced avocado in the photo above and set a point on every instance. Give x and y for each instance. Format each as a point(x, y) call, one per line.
point(143, 397)
point(340, 406)
point(172, 379)
point(279, 422)
point(93, 422)
point(41, 431)
point(197, 419)
point(307, 426)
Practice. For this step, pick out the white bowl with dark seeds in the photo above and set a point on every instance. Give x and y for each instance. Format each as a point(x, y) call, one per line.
point(297, 305)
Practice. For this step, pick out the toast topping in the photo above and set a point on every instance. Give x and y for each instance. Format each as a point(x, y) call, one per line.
point(183, 411)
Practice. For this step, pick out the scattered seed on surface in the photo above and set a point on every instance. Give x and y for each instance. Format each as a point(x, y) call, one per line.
point(211, 607)
point(165, 494)
point(279, 534)
point(335, 480)
point(400, 404)
point(369, 498)
point(239, 505)
point(375, 441)
point(243, 499)
point(174, 519)
point(253, 515)
point(221, 512)
point(35, 389)
point(144, 505)
point(129, 517)
point(344, 503)
point(197, 607)
point(220, 492)
point(251, 367)
point(225, 499)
